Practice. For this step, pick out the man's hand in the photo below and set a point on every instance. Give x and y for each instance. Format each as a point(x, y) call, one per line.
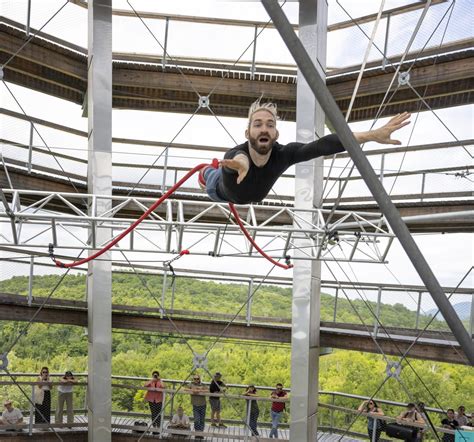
point(382, 134)
point(240, 163)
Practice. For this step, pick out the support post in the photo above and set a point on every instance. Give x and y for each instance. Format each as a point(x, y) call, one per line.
point(334, 115)
point(30, 148)
point(305, 338)
point(385, 45)
point(248, 315)
point(30, 280)
point(254, 53)
point(99, 276)
point(28, 20)
point(377, 312)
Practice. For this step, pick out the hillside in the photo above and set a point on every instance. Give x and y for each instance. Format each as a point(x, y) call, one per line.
point(137, 354)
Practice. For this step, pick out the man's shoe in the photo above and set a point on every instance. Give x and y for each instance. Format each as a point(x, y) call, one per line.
point(201, 179)
point(214, 424)
point(222, 425)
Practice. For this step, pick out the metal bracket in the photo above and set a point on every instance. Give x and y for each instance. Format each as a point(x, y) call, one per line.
point(3, 361)
point(204, 101)
point(200, 361)
point(393, 369)
point(403, 78)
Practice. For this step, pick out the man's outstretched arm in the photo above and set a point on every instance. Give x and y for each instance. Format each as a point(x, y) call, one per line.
point(382, 134)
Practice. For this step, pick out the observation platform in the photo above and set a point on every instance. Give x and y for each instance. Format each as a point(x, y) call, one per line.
point(433, 345)
point(332, 419)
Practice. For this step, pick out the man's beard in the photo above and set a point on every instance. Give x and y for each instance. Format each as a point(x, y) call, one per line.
point(261, 148)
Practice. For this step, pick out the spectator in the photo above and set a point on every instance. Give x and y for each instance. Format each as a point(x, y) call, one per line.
point(451, 423)
point(371, 407)
point(65, 396)
point(180, 421)
point(198, 401)
point(155, 398)
point(461, 417)
point(252, 409)
point(11, 417)
point(277, 409)
point(217, 386)
point(410, 416)
point(42, 395)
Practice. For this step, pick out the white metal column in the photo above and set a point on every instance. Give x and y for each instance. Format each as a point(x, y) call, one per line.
point(99, 276)
point(305, 341)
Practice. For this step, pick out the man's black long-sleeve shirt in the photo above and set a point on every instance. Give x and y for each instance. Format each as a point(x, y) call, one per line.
point(259, 180)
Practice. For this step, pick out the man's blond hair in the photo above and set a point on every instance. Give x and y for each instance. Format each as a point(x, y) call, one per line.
point(268, 106)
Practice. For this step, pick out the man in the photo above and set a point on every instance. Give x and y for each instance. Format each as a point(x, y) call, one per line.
point(248, 171)
point(198, 401)
point(451, 423)
point(180, 421)
point(277, 409)
point(11, 417)
point(217, 386)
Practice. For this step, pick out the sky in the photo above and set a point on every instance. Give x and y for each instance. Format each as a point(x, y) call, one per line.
point(450, 255)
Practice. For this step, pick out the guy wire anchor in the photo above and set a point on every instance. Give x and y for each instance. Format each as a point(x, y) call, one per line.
point(393, 369)
point(403, 78)
point(3, 361)
point(204, 101)
point(200, 361)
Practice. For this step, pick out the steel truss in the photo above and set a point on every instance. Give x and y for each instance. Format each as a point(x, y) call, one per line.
point(369, 242)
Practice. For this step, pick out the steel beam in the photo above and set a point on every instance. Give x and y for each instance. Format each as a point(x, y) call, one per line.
point(99, 173)
point(433, 346)
point(306, 301)
point(336, 118)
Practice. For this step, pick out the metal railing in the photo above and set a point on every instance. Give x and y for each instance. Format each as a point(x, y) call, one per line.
point(337, 411)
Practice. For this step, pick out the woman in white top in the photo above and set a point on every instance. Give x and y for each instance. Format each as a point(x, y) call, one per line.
point(43, 397)
point(65, 396)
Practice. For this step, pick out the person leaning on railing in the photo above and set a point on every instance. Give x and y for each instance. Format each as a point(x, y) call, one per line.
point(409, 416)
point(277, 409)
point(154, 397)
point(370, 406)
point(198, 401)
point(65, 396)
point(254, 410)
point(461, 417)
point(42, 396)
point(449, 422)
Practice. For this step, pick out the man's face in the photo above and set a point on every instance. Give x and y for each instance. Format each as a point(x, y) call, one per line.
point(9, 407)
point(180, 412)
point(262, 132)
point(450, 414)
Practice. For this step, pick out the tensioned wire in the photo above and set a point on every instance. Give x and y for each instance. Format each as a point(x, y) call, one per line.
point(450, 11)
point(374, 339)
point(379, 112)
point(213, 344)
point(18, 103)
point(381, 350)
point(403, 354)
point(169, 57)
point(409, 294)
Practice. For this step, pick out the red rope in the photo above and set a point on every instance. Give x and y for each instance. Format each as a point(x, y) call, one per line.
point(247, 234)
point(214, 164)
